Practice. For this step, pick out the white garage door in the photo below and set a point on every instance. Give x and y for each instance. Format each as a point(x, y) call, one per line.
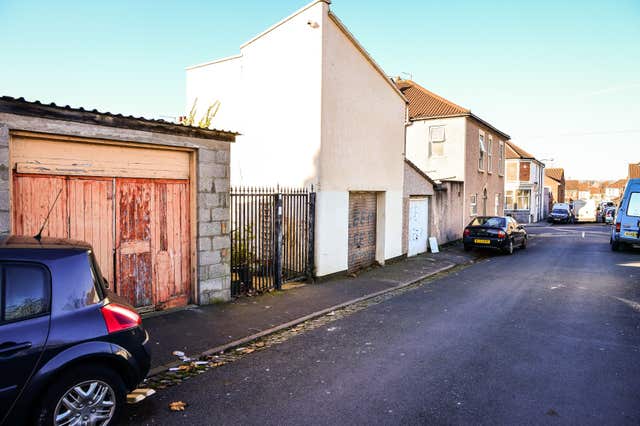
point(418, 225)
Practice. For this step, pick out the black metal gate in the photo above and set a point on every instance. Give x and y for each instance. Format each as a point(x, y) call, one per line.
point(271, 238)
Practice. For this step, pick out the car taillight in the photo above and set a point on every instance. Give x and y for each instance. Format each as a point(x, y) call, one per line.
point(501, 234)
point(118, 317)
point(618, 227)
point(467, 232)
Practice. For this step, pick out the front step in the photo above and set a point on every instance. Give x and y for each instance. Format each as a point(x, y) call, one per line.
point(139, 394)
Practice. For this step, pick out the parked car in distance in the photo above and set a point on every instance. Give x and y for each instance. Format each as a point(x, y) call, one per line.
point(561, 213)
point(601, 212)
point(626, 229)
point(496, 232)
point(609, 215)
point(70, 349)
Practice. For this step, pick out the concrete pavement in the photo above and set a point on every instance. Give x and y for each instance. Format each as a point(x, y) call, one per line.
point(548, 335)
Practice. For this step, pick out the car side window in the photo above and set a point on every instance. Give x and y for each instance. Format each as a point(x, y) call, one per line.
point(25, 291)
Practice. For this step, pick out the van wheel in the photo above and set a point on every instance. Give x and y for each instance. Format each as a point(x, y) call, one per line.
point(615, 246)
point(92, 394)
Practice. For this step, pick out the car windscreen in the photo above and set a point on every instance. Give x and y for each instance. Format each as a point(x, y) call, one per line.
point(633, 209)
point(492, 222)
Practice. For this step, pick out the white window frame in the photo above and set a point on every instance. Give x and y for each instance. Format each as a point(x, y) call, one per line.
point(481, 151)
point(496, 204)
point(501, 163)
point(473, 205)
point(432, 140)
point(490, 155)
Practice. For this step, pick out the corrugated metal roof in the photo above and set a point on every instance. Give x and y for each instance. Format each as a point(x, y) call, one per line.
point(21, 106)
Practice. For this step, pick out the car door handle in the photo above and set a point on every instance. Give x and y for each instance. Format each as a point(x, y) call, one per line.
point(10, 348)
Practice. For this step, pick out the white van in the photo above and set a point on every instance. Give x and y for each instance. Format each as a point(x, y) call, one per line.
point(585, 211)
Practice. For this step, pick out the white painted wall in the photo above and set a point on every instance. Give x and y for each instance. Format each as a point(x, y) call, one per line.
point(313, 110)
point(452, 164)
point(274, 100)
point(362, 137)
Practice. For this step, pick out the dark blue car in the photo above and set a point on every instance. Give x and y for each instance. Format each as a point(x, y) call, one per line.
point(70, 350)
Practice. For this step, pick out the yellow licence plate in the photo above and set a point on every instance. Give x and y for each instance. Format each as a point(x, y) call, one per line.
point(631, 234)
point(482, 242)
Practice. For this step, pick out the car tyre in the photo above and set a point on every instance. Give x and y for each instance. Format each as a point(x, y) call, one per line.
point(524, 243)
point(111, 392)
point(467, 247)
point(509, 249)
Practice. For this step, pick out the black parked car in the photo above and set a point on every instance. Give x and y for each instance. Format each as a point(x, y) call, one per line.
point(496, 232)
point(70, 350)
point(560, 215)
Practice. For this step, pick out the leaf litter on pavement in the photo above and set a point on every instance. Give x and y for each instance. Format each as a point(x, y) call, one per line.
point(192, 367)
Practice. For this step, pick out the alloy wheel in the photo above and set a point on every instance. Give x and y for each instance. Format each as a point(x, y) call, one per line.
point(92, 402)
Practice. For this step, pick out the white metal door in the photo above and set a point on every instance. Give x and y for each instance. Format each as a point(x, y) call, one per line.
point(418, 225)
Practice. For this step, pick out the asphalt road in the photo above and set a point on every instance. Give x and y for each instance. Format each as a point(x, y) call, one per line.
point(550, 335)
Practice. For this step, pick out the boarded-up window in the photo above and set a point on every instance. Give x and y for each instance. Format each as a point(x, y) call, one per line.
point(525, 171)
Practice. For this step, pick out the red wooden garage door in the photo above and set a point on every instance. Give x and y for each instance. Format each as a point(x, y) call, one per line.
point(362, 230)
point(150, 238)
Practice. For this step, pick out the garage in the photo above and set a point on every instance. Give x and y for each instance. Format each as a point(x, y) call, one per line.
point(418, 225)
point(131, 202)
point(362, 230)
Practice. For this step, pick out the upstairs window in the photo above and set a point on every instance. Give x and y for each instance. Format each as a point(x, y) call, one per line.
point(490, 155)
point(482, 151)
point(501, 158)
point(436, 141)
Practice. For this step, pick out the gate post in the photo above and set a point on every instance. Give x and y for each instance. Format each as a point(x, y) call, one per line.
point(277, 240)
point(311, 224)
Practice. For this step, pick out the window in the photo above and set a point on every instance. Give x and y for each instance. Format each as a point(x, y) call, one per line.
point(482, 150)
point(523, 199)
point(633, 209)
point(490, 154)
point(501, 158)
point(509, 201)
point(474, 205)
point(25, 291)
point(497, 205)
point(493, 222)
point(436, 141)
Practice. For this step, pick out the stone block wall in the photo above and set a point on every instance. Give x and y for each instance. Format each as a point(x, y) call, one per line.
point(5, 218)
point(214, 243)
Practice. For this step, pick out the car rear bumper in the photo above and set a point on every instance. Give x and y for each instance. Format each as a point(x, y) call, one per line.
point(480, 242)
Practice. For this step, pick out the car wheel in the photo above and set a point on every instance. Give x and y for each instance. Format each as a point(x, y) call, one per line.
point(92, 394)
point(467, 247)
point(509, 249)
point(524, 243)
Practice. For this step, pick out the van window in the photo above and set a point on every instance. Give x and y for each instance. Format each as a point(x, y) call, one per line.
point(633, 209)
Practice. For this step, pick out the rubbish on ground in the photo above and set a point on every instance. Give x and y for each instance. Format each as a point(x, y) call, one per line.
point(177, 406)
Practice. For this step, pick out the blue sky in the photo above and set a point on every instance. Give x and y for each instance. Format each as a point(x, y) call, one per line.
point(562, 78)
